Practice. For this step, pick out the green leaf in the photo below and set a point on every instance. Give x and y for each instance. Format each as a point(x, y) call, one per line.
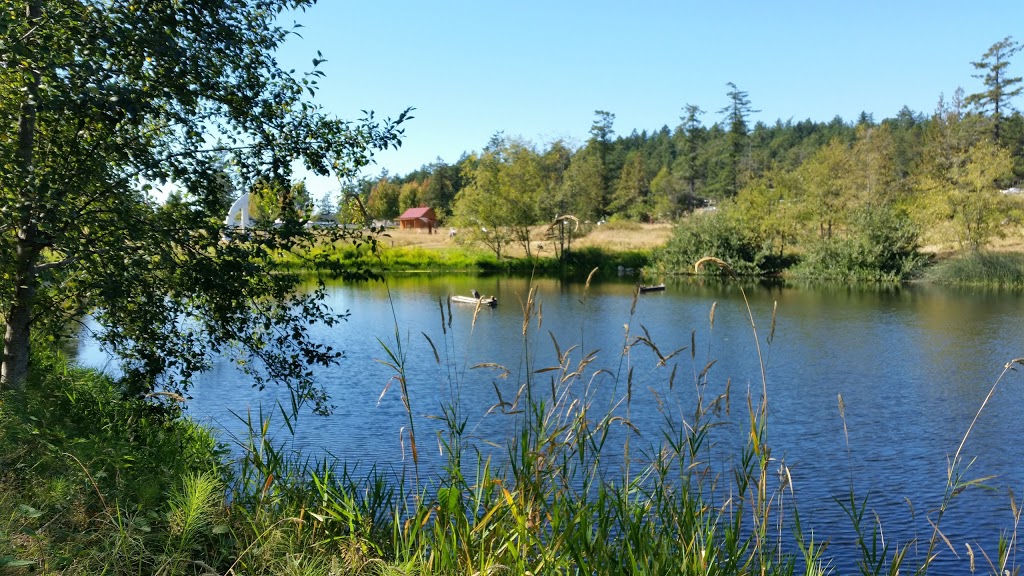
point(12, 562)
point(28, 511)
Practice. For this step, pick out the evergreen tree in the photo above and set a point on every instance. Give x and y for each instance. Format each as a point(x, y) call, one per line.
point(691, 137)
point(1001, 87)
point(632, 190)
point(441, 186)
point(666, 193)
point(601, 133)
point(736, 112)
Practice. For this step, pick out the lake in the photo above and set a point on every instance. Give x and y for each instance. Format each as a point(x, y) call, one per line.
point(912, 364)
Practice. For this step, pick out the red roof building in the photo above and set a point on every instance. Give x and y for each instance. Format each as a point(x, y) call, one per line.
point(418, 218)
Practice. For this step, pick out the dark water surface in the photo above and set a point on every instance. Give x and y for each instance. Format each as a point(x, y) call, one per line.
point(912, 364)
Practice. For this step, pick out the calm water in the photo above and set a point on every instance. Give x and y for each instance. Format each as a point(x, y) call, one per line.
point(912, 364)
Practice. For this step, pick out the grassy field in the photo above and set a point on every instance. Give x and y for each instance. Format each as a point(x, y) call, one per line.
point(628, 236)
point(612, 237)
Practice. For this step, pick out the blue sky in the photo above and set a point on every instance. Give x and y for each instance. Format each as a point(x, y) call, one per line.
point(539, 69)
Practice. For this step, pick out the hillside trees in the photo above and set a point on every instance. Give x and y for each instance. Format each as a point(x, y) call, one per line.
point(102, 101)
point(815, 183)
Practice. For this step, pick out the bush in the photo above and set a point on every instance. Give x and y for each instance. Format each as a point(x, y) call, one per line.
point(883, 246)
point(712, 235)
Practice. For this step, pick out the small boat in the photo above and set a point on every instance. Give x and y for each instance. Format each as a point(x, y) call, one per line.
point(657, 288)
point(485, 300)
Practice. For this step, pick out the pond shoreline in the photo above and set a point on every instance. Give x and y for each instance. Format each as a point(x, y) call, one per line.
point(636, 250)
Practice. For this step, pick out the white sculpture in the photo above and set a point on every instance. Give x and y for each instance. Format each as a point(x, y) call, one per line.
point(239, 211)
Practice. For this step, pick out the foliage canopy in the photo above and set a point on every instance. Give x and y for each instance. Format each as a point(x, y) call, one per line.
point(104, 101)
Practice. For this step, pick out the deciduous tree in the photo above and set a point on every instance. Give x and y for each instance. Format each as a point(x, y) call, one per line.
point(102, 100)
point(974, 201)
point(825, 185)
point(501, 201)
point(383, 201)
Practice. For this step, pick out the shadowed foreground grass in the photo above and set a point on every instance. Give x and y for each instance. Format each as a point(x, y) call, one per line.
point(93, 483)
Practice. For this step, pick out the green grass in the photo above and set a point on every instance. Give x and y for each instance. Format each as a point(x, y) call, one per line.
point(79, 463)
point(980, 269)
point(400, 259)
point(95, 483)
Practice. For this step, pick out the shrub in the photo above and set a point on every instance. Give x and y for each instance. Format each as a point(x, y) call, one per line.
point(883, 246)
point(711, 235)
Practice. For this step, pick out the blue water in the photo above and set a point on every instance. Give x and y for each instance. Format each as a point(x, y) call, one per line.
point(912, 365)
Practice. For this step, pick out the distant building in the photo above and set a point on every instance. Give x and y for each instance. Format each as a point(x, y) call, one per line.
point(421, 218)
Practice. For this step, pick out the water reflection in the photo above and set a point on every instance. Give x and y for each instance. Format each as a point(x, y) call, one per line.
point(912, 365)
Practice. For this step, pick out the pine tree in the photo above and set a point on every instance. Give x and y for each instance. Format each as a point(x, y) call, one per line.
point(1000, 85)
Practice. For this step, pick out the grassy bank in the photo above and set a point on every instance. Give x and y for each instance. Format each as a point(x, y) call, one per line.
point(412, 258)
point(996, 269)
point(890, 256)
point(95, 483)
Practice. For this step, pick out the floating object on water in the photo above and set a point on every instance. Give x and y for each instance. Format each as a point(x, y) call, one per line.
point(485, 300)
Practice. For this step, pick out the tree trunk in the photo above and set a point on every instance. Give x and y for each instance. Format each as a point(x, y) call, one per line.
point(17, 347)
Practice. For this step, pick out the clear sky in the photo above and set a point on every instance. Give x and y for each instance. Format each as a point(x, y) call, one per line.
point(539, 69)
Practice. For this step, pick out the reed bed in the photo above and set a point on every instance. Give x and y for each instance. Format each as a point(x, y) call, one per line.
point(1002, 269)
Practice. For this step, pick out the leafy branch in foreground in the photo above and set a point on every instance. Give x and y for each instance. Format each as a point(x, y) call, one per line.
point(105, 102)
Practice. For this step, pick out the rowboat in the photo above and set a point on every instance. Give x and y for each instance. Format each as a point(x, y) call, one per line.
point(657, 288)
point(485, 300)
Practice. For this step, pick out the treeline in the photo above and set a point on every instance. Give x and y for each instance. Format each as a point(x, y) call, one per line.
point(785, 185)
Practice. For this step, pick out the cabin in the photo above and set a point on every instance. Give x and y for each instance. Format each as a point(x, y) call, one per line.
point(421, 218)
